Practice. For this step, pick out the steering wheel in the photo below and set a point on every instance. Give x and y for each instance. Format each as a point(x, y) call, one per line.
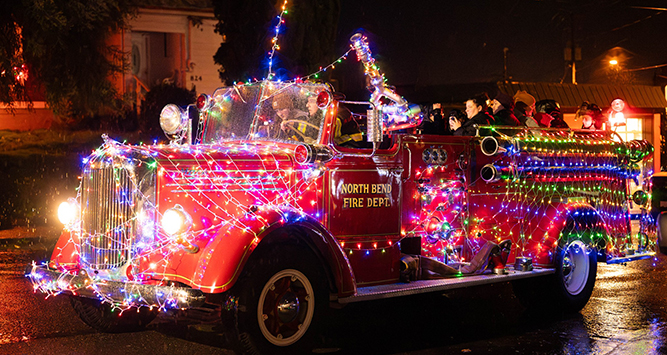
point(292, 124)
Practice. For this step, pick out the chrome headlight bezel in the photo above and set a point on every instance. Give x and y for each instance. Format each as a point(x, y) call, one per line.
point(174, 121)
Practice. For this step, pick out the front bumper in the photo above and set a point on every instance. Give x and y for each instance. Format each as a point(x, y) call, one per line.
point(124, 294)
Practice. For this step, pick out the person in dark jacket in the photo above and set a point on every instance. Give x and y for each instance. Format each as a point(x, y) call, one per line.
point(477, 115)
point(551, 107)
point(456, 119)
point(502, 106)
point(433, 123)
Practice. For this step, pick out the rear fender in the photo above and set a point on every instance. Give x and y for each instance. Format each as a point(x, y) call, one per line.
point(579, 221)
point(225, 256)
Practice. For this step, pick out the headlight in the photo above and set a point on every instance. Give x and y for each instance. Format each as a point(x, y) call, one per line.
point(172, 120)
point(68, 212)
point(176, 221)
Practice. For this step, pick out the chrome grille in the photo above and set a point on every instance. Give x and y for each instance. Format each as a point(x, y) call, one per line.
point(107, 215)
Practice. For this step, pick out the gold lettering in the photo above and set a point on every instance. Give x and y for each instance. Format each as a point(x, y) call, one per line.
point(365, 188)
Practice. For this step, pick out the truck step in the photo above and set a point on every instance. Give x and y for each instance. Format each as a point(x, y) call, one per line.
point(633, 257)
point(423, 286)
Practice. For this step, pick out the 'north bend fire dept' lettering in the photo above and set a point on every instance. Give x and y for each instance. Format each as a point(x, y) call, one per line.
point(368, 202)
point(365, 189)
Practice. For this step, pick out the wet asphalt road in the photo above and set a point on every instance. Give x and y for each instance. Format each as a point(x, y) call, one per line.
point(627, 315)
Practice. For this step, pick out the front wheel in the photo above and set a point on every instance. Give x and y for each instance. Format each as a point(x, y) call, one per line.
point(277, 303)
point(569, 288)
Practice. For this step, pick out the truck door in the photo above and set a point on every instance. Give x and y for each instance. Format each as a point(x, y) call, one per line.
point(363, 199)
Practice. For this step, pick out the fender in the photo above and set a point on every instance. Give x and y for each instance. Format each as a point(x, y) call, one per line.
point(577, 220)
point(224, 256)
point(65, 255)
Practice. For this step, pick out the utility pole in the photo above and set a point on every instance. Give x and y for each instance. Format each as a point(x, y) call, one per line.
point(574, 70)
point(505, 50)
point(572, 52)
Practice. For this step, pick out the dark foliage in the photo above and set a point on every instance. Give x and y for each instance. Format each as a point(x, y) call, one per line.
point(306, 40)
point(156, 99)
point(65, 45)
point(11, 90)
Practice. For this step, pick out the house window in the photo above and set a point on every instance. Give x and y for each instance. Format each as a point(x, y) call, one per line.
point(631, 130)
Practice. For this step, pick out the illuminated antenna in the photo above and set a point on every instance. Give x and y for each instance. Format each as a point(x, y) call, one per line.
point(274, 41)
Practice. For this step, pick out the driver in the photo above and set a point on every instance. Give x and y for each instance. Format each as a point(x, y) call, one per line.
point(286, 113)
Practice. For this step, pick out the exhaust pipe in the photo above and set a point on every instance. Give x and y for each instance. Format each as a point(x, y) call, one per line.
point(490, 146)
point(491, 173)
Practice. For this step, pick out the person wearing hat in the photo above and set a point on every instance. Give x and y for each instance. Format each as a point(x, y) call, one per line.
point(502, 106)
point(591, 116)
point(552, 108)
point(286, 116)
point(524, 107)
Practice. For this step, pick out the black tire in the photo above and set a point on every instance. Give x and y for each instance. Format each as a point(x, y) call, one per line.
point(103, 318)
point(277, 303)
point(569, 288)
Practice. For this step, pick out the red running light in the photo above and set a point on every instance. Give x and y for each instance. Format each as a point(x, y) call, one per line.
point(302, 154)
point(323, 99)
point(202, 102)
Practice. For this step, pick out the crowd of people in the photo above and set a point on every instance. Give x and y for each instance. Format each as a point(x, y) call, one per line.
point(507, 112)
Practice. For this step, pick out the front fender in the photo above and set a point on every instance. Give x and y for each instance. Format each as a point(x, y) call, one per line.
point(225, 255)
point(65, 254)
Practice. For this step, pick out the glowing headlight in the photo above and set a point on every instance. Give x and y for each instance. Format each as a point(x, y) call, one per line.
point(172, 120)
point(68, 212)
point(176, 221)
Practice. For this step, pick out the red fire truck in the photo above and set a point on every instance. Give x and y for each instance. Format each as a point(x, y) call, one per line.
point(289, 199)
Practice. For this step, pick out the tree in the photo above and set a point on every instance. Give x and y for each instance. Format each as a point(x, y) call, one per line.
point(12, 88)
point(64, 44)
point(306, 40)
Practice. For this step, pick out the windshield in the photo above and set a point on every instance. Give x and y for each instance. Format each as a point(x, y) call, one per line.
point(264, 111)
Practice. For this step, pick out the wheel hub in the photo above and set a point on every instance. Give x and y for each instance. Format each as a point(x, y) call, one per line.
point(285, 308)
point(288, 307)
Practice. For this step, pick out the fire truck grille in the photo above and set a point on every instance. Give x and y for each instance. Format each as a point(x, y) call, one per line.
point(107, 216)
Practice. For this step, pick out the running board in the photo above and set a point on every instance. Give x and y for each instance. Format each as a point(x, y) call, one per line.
point(423, 286)
point(635, 256)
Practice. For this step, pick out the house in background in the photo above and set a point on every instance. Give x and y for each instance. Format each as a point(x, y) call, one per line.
point(169, 41)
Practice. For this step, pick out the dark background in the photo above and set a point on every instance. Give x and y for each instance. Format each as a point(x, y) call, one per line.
point(426, 43)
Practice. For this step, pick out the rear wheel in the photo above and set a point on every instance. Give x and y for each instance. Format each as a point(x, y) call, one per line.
point(103, 318)
point(277, 303)
point(569, 288)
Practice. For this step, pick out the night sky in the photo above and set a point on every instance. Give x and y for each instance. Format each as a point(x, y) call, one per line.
point(425, 43)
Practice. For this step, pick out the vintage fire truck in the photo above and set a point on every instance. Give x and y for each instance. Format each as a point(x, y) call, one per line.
point(275, 209)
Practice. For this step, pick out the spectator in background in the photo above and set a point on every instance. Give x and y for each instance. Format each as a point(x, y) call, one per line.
point(524, 107)
point(456, 119)
point(433, 123)
point(552, 108)
point(502, 106)
point(477, 115)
